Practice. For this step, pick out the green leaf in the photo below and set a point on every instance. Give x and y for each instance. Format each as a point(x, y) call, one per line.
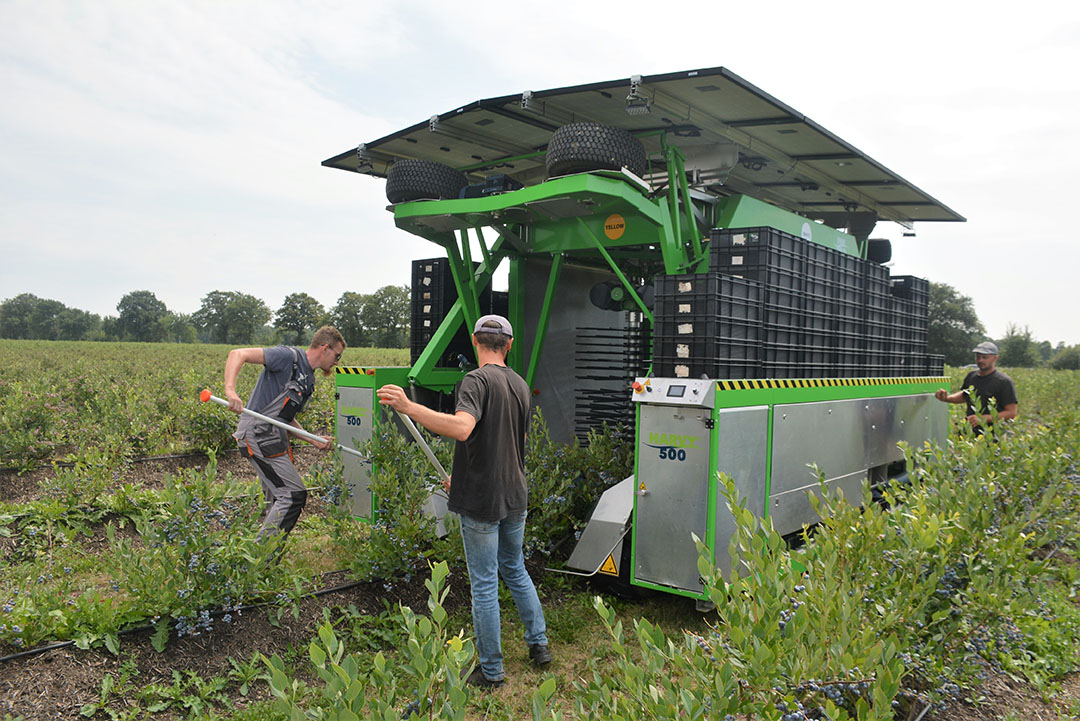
point(318, 656)
point(160, 636)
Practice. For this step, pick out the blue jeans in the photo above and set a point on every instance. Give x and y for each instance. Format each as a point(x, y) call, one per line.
point(492, 549)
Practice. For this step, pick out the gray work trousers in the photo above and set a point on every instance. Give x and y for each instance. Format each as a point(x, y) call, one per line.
point(282, 487)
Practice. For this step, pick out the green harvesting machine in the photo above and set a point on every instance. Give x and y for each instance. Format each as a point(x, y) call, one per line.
point(686, 258)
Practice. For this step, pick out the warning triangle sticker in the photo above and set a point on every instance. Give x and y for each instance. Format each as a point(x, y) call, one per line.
point(609, 566)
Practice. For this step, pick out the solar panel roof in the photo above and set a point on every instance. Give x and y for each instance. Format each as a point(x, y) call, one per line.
point(783, 157)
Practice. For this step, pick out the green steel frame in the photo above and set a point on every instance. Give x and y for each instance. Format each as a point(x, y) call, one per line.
point(603, 218)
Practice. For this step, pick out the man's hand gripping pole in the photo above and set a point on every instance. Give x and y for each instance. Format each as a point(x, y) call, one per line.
point(207, 396)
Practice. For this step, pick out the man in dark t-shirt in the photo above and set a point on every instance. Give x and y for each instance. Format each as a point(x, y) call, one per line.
point(984, 383)
point(489, 491)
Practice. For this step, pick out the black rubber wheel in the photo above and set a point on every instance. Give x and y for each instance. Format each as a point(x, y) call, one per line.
point(410, 179)
point(580, 147)
point(878, 250)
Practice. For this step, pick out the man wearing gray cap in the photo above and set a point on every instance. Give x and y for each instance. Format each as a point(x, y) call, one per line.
point(985, 382)
point(489, 491)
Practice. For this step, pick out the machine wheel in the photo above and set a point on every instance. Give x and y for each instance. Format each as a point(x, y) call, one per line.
point(410, 179)
point(580, 147)
point(878, 250)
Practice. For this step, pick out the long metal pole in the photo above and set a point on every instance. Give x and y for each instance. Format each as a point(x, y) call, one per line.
point(207, 396)
point(443, 475)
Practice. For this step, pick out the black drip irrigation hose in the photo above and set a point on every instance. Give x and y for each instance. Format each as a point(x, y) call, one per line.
point(213, 614)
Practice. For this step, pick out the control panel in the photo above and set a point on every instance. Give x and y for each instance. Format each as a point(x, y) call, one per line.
point(700, 392)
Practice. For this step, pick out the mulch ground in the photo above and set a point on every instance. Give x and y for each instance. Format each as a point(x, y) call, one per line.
point(56, 684)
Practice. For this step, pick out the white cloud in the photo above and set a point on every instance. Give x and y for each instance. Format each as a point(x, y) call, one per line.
point(176, 146)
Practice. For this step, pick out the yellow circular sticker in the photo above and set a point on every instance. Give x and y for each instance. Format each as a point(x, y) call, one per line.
point(614, 226)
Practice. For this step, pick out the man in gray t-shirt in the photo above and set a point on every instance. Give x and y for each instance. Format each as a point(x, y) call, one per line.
point(489, 492)
point(282, 391)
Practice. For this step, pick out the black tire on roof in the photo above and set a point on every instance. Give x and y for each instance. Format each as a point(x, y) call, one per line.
point(580, 147)
point(411, 179)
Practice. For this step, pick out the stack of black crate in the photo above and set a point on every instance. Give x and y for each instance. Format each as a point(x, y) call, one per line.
point(911, 298)
point(848, 342)
point(433, 294)
point(796, 304)
point(822, 313)
point(707, 325)
point(879, 323)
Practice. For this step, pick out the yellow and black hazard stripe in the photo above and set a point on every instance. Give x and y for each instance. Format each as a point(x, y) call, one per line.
point(752, 385)
point(354, 370)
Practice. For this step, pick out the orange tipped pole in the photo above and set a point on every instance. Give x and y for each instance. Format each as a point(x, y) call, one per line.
point(206, 395)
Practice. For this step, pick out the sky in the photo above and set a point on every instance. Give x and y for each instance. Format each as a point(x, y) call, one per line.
point(175, 146)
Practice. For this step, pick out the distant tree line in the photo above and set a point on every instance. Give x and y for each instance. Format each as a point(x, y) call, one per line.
point(379, 319)
point(382, 318)
point(954, 329)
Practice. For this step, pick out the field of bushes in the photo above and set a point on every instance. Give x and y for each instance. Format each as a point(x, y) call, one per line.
point(956, 598)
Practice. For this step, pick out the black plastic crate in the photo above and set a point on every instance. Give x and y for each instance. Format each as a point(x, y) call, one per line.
point(817, 370)
point(705, 348)
point(779, 353)
point(768, 276)
point(936, 364)
point(784, 298)
point(876, 279)
point(707, 295)
point(671, 367)
point(755, 238)
point(848, 265)
point(749, 251)
point(783, 334)
point(848, 326)
point(848, 341)
point(876, 347)
point(708, 328)
point(819, 287)
point(849, 358)
point(822, 322)
point(847, 299)
point(781, 369)
point(911, 288)
point(817, 355)
point(822, 305)
point(878, 322)
point(783, 316)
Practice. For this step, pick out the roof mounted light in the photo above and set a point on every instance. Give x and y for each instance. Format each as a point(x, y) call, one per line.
point(637, 104)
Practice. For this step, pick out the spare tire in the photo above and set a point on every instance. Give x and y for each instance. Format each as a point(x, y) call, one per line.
point(410, 179)
point(580, 147)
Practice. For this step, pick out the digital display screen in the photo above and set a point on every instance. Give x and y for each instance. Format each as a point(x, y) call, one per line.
point(676, 391)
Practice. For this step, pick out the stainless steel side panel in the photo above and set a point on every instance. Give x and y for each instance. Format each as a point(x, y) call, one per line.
point(844, 438)
point(741, 439)
point(355, 417)
point(605, 527)
point(672, 494)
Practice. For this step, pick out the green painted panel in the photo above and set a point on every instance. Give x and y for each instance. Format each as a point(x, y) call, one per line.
point(742, 211)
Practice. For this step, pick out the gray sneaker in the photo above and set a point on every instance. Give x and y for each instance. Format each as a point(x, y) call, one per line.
point(539, 654)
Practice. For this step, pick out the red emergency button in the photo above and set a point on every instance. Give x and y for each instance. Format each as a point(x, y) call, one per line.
point(637, 387)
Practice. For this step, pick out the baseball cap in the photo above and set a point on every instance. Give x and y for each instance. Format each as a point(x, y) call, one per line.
point(987, 347)
point(503, 329)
